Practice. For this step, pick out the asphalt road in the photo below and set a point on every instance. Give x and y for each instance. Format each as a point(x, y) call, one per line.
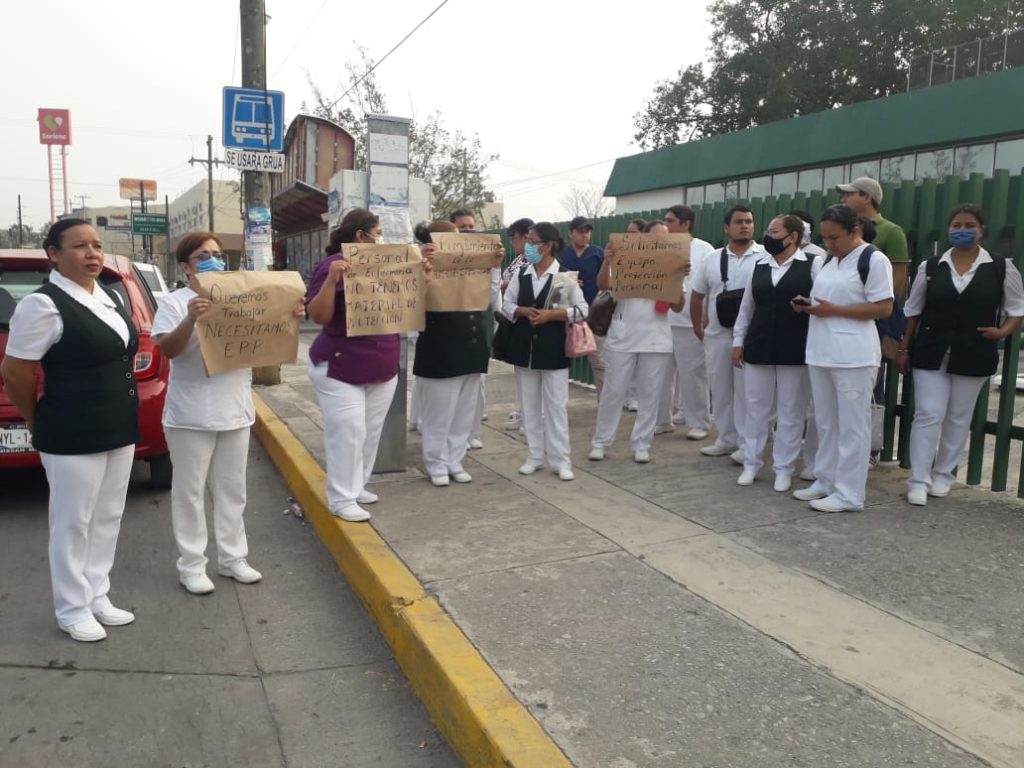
point(289, 672)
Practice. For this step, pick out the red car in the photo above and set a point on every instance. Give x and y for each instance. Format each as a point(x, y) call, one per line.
point(21, 273)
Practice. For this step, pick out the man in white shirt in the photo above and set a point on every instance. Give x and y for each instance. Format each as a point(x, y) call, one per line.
point(689, 402)
point(727, 396)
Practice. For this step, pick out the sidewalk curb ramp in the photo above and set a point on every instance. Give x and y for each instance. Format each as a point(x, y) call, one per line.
point(476, 713)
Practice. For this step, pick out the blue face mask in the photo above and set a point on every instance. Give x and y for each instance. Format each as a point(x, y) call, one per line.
point(212, 264)
point(962, 238)
point(532, 253)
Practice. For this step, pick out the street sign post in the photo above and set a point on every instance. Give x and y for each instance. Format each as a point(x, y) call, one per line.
point(248, 160)
point(149, 224)
point(253, 119)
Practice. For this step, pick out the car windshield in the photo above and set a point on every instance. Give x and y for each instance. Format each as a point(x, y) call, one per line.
point(152, 280)
point(14, 286)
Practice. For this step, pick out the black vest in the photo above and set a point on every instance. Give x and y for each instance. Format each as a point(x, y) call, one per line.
point(777, 334)
point(950, 321)
point(90, 402)
point(453, 344)
point(542, 347)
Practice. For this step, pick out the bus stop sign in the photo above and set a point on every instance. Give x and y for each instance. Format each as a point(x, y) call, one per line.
point(253, 119)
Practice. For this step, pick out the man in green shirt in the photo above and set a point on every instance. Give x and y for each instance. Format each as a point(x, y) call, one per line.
point(864, 195)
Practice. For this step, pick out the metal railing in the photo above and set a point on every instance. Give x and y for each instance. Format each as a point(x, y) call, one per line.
point(970, 59)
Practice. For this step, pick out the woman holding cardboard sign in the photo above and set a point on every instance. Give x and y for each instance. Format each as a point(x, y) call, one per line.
point(540, 306)
point(639, 342)
point(206, 421)
point(355, 377)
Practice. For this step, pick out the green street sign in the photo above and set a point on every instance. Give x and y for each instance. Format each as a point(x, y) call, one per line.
point(149, 224)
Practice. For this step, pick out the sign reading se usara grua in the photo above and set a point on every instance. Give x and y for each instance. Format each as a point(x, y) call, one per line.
point(385, 289)
point(649, 266)
point(462, 272)
point(251, 321)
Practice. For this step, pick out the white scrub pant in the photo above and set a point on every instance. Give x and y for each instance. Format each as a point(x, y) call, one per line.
point(415, 406)
point(353, 419)
point(649, 370)
point(943, 408)
point(597, 364)
point(87, 495)
point(765, 383)
point(728, 404)
point(481, 406)
point(689, 375)
point(545, 416)
point(216, 460)
point(842, 411)
point(810, 435)
point(449, 412)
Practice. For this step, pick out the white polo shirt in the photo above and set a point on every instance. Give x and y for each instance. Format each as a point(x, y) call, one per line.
point(699, 251)
point(708, 280)
point(637, 327)
point(841, 342)
point(194, 400)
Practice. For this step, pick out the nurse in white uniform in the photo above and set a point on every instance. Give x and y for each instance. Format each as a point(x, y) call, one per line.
point(951, 344)
point(84, 426)
point(843, 354)
point(639, 343)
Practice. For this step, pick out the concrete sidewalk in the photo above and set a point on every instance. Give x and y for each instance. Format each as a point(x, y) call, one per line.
point(661, 615)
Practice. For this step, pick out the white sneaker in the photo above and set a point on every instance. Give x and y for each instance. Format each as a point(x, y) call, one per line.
point(87, 631)
point(566, 474)
point(632, 405)
point(114, 617)
point(642, 457)
point(783, 483)
point(940, 489)
point(746, 477)
point(873, 459)
point(663, 429)
point(475, 444)
point(367, 497)
point(717, 450)
point(196, 583)
point(513, 421)
point(462, 477)
point(917, 496)
point(528, 468)
point(807, 473)
point(352, 513)
point(241, 571)
point(697, 434)
point(596, 453)
point(439, 481)
point(831, 504)
point(678, 417)
point(738, 456)
point(810, 493)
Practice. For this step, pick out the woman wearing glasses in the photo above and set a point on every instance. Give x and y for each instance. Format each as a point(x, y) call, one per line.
point(206, 421)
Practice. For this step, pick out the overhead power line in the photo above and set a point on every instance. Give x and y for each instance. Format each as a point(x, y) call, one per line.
point(298, 39)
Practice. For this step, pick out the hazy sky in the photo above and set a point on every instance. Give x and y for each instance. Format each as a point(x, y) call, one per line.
point(550, 86)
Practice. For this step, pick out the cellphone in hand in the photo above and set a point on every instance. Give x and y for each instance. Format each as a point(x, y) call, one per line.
point(800, 301)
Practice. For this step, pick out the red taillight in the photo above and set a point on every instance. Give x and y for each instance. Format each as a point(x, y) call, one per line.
point(147, 359)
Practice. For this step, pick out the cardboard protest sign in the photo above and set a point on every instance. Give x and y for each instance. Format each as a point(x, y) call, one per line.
point(385, 289)
point(649, 266)
point(251, 321)
point(462, 272)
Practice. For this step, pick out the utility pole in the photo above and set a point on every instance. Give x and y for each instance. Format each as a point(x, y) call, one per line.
point(209, 162)
point(255, 186)
point(82, 199)
point(21, 231)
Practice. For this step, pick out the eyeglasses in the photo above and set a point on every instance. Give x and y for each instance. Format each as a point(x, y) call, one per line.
point(206, 255)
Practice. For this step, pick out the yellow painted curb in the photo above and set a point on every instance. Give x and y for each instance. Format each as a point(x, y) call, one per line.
point(467, 701)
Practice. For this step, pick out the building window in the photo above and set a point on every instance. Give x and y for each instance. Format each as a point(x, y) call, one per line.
point(835, 174)
point(936, 164)
point(976, 158)
point(735, 190)
point(694, 196)
point(1010, 155)
point(714, 193)
point(897, 169)
point(760, 186)
point(784, 184)
point(809, 180)
point(863, 168)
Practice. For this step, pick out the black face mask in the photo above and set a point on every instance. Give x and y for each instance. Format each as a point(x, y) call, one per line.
point(773, 245)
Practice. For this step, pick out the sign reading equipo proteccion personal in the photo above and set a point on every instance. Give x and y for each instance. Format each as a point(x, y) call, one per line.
point(385, 289)
point(649, 266)
point(251, 320)
point(462, 272)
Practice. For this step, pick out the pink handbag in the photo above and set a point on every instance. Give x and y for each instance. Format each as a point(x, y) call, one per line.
point(579, 339)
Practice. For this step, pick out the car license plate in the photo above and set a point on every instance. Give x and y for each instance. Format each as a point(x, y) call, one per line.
point(15, 439)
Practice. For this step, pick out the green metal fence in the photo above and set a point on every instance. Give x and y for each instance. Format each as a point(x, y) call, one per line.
point(922, 209)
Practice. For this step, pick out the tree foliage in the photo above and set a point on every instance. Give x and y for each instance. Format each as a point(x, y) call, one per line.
point(586, 201)
point(452, 161)
point(30, 238)
point(775, 59)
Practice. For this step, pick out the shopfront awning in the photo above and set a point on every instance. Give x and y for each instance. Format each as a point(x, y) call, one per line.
point(298, 207)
